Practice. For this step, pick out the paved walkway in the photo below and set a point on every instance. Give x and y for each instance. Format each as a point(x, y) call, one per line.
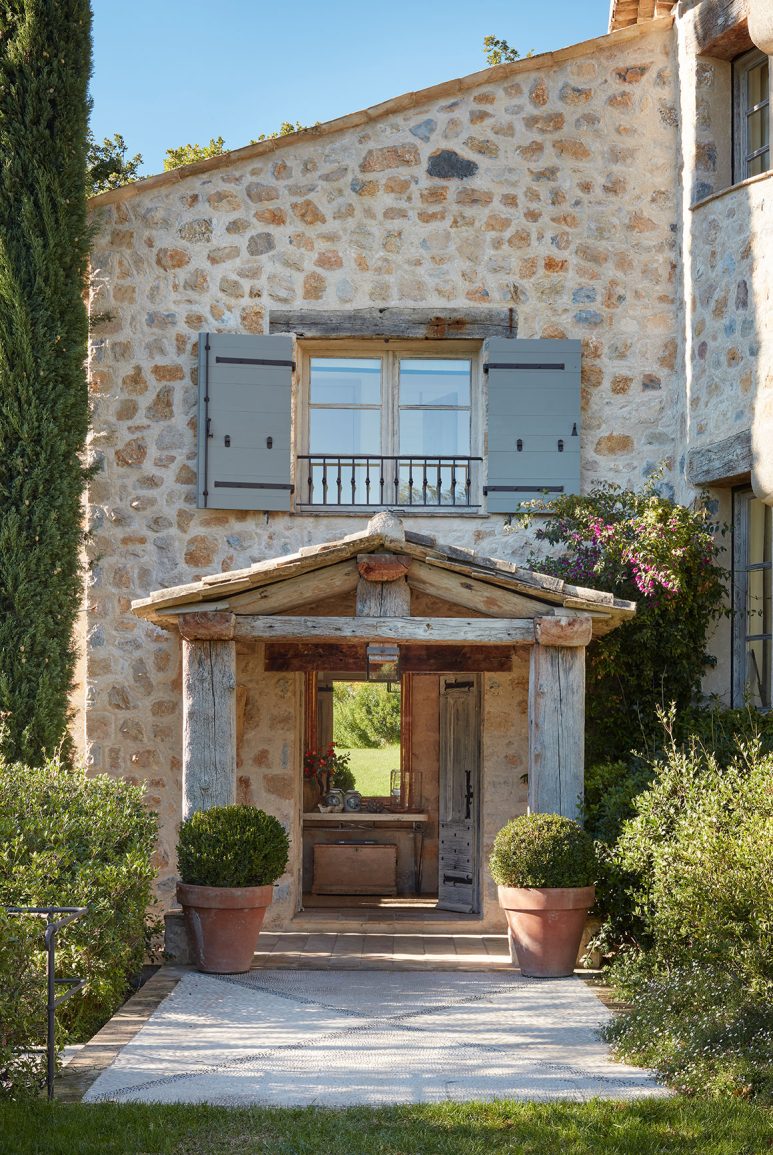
point(338, 1038)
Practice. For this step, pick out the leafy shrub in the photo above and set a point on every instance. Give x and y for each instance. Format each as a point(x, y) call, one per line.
point(231, 846)
point(365, 715)
point(644, 547)
point(543, 850)
point(612, 790)
point(22, 1006)
point(699, 857)
point(70, 840)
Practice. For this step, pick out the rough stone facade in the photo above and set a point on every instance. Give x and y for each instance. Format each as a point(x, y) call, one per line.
point(563, 187)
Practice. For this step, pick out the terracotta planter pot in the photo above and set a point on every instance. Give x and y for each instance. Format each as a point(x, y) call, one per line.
point(546, 926)
point(223, 924)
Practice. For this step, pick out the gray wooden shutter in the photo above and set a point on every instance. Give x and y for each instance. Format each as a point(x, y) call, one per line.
point(533, 420)
point(459, 809)
point(245, 389)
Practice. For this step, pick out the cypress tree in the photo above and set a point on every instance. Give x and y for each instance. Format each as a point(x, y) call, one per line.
point(45, 63)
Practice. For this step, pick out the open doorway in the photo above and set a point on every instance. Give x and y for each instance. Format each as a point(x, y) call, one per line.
point(410, 749)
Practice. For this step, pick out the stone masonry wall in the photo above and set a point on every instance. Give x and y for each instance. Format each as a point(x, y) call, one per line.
point(548, 186)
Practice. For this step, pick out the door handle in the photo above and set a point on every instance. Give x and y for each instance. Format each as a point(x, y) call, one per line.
point(468, 793)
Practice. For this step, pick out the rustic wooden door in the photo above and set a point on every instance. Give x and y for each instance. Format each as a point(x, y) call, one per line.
point(458, 867)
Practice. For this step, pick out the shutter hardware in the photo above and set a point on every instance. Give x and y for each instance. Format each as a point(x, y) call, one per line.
point(254, 485)
point(252, 361)
point(522, 365)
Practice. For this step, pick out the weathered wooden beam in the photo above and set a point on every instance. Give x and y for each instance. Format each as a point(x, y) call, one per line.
point(306, 589)
point(333, 656)
point(203, 625)
point(420, 659)
point(382, 567)
point(465, 590)
point(563, 631)
point(557, 729)
point(719, 28)
point(722, 462)
point(429, 324)
point(209, 724)
point(490, 631)
point(390, 599)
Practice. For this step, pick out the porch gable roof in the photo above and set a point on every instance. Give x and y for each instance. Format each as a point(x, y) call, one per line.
point(489, 586)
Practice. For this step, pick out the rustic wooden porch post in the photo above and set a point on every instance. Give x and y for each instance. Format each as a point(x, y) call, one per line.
point(209, 710)
point(557, 715)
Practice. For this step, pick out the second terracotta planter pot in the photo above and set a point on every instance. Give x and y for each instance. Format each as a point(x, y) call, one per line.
point(223, 924)
point(546, 926)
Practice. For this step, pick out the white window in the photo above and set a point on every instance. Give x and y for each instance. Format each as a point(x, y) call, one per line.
point(752, 600)
point(387, 424)
point(752, 115)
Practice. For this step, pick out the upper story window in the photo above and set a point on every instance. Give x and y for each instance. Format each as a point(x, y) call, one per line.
point(752, 601)
point(395, 428)
point(301, 425)
point(752, 115)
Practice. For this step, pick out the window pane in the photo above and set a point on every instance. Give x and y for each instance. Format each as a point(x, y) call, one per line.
point(758, 164)
point(345, 381)
point(438, 432)
point(337, 431)
point(758, 657)
point(757, 131)
point(760, 517)
point(757, 84)
point(428, 382)
point(758, 601)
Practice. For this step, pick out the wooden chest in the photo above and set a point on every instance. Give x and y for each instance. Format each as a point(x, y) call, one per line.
point(352, 869)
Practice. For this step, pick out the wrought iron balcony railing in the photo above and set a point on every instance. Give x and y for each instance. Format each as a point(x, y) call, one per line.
point(361, 479)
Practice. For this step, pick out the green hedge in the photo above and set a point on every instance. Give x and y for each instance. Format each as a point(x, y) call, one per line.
point(70, 840)
point(231, 846)
point(698, 857)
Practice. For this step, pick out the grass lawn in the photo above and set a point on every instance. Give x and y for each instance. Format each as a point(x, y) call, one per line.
point(371, 768)
point(646, 1127)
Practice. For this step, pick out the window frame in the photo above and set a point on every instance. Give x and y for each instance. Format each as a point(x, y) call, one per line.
point(742, 66)
point(743, 496)
point(391, 351)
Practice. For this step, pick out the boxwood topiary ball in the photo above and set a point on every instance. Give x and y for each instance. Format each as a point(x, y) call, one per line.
point(231, 846)
point(543, 850)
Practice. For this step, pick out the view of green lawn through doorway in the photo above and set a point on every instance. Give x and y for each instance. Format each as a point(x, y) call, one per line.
point(366, 727)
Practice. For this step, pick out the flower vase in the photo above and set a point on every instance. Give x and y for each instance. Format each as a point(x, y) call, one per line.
point(311, 794)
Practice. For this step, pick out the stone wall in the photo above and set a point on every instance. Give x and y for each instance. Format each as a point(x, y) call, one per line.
point(548, 186)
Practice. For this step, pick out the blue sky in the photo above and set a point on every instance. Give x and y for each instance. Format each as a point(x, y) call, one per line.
point(169, 72)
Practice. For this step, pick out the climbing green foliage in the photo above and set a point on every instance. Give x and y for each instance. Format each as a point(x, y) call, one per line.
point(641, 546)
point(366, 715)
point(45, 61)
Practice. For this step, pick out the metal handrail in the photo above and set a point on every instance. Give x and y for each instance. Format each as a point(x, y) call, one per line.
point(71, 913)
point(370, 479)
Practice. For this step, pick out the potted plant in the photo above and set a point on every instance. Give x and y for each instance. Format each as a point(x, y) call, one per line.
point(228, 858)
point(545, 866)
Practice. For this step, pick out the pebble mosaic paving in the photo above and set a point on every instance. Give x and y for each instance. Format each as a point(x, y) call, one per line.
point(298, 1038)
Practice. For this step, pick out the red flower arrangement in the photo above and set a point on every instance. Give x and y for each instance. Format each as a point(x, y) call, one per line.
point(324, 765)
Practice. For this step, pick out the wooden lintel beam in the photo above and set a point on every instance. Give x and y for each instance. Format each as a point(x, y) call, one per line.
point(348, 657)
point(420, 659)
point(431, 631)
point(281, 657)
point(563, 631)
